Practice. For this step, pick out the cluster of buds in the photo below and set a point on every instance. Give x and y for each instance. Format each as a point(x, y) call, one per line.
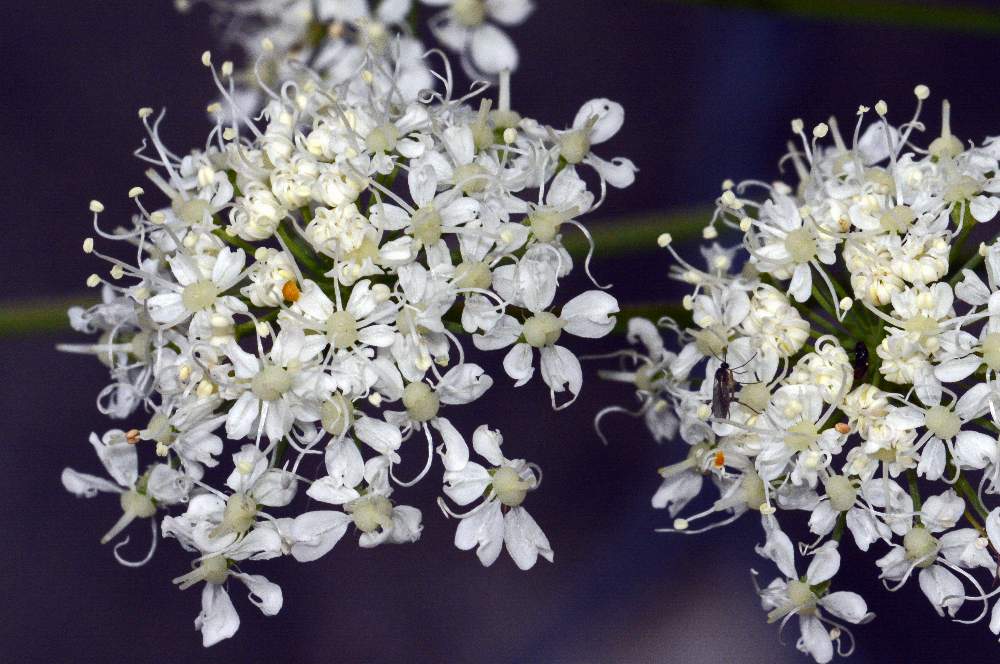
point(310, 289)
point(839, 363)
point(334, 37)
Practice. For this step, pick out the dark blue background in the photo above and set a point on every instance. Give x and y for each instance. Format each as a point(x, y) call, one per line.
point(709, 94)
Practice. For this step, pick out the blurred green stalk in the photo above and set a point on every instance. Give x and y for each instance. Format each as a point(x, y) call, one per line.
point(924, 15)
point(618, 237)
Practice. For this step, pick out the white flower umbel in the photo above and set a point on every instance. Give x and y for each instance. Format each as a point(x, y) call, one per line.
point(308, 292)
point(840, 358)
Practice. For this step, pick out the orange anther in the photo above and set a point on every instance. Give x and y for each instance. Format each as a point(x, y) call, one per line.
point(132, 436)
point(290, 291)
point(842, 427)
point(720, 459)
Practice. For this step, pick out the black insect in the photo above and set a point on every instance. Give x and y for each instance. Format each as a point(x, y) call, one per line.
point(724, 390)
point(860, 362)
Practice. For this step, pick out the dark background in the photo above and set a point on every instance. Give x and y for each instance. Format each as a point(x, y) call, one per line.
point(709, 94)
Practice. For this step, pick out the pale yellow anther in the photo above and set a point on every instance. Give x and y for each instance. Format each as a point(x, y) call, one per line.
point(158, 217)
point(797, 126)
point(206, 58)
point(821, 130)
point(709, 233)
point(881, 107)
point(227, 68)
point(205, 388)
point(229, 133)
point(96, 206)
point(263, 330)
point(922, 92)
point(214, 107)
point(135, 192)
point(117, 272)
point(267, 44)
point(664, 239)
point(93, 281)
point(145, 112)
point(846, 303)
point(88, 245)
point(509, 135)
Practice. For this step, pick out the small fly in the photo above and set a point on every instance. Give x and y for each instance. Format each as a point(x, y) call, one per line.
point(860, 362)
point(724, 390)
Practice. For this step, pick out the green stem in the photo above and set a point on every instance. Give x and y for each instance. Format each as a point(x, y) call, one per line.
point(40, 316)
point(969, 493)
point(926, 15)
point(637, 234)
point(911, 478)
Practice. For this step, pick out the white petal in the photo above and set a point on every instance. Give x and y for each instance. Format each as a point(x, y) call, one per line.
point(524, 539)
point(491, 50)
point(517, 364)
point(846, 605)
point(610, 118)
point(86, 486)
point(938, 584)
point(263, 593)
point(453, 450)
point(589, 314)
point(815, 639)
point(218, 619)
point(316, 533)
point(561, 370)
point(824, 565)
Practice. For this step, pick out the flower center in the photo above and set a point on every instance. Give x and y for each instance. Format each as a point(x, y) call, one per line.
point(469, 13)
point(991, 350)
point(471, 178)
point(711, 341)
point(918, 543)
point(342, 329)
point(473, 274)
point(542, 329)
point(801, 245)
point(960, 189)
point(200, 295)
point(420, 402)
point(841, 493)
point(371, 512)
point(755, 396)
point(801, 436)
point(942, 422)
point(336, 414)
point(238, 517)
point(545, 224)
point(271, 383)
point(191, 211)
point(897, 219)
point(509, 486)
point(383, 138)
point(800, 594)
point(426, 224)
point(574, 145)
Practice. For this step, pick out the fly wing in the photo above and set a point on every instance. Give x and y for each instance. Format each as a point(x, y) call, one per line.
point(722, 393)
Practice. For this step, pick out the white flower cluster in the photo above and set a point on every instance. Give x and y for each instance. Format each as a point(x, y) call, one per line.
point(841, 363)
point(310, 291)
point(335, 36)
